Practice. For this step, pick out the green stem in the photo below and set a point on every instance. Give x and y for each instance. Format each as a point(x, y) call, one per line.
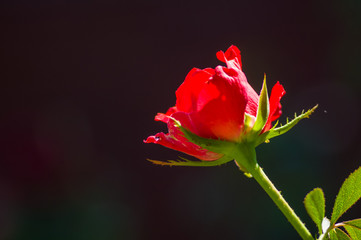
point(246, 159)
point(281, 203)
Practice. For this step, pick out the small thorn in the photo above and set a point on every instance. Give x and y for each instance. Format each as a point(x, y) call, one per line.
point(248, 175)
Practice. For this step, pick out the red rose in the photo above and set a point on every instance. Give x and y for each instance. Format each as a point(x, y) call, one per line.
point(212, 103)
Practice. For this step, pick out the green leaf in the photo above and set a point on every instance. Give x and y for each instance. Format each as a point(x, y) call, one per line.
point(186, 162)
point(353, 228)
point(354, 233)
point(338, 234)
point(262, 111)
point(315, 206)
point(332, 235)
point(354, 223)
point(348, 195)
point(285, 128)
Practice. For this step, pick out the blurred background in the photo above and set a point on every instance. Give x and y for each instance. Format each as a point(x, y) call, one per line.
point(81, 82)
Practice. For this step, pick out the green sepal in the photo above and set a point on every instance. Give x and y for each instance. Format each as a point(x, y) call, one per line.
point(315, 206)
point(196, 163)
point(231, 150)
point(264, 137)
point(248, 125)
point(274, 132)
point(262, 111)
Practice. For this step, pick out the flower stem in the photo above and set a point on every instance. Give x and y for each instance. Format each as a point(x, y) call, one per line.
point(281, 203)
point(245, 157)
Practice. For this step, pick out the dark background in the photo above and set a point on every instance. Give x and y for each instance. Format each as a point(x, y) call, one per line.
point(81, 82)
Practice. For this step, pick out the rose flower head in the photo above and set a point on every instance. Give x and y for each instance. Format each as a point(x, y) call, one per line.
point(217, 109)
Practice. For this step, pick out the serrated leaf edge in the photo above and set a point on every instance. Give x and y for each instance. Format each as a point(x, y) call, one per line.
point(334, 219)
point(310, 197)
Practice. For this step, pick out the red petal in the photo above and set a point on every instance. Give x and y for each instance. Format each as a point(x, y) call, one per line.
point(175, 140)
point(214, 104)
point(252, 100)
point(165, 117)
point(216, 100)
point(275, 106)
point(194, 91)
point(232, 57)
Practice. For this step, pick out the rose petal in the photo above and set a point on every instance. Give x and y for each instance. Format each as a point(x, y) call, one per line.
point(175, 140)
point(275, 106)
point(194, 92)
point(165, 117)
point(215, 104)
point(232, 57)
